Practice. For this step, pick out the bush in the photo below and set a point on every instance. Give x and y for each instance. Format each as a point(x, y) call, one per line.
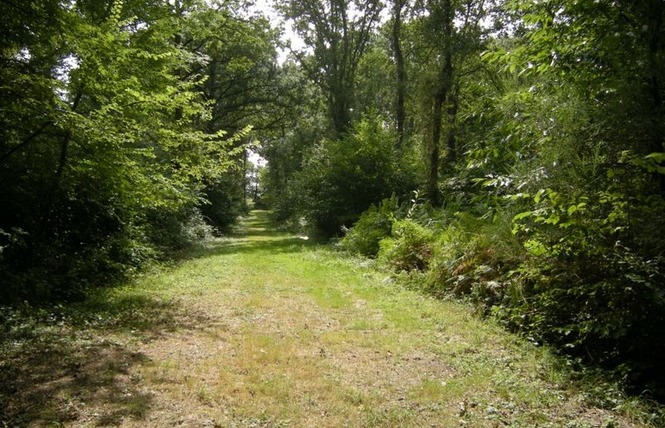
point(225, 201)
point(473, 258)
point(171, 231)
point(593, 281)
point(85, 239)
point(341, 179)
point(450, 251)
point(374, 225)
point(409, 248)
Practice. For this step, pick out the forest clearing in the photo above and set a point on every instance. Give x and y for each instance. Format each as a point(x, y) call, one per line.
point(267, 330)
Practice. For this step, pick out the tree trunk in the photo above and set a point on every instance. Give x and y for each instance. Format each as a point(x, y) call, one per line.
point(434, 154)
point(400, 69)
point(339, 109)
point(440, 97)
point(656, 10)
point(451, 136)
point(63, 160)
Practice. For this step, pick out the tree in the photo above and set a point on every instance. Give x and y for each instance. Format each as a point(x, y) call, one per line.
point(286, 149)
point(337, 33)
point(342, 178)
point(615, 54)
point(243, 87)
point(447, 40)
point(375, 84)
point(400, 70)
point(591, 197)
point(105, 140)
point(442, 15)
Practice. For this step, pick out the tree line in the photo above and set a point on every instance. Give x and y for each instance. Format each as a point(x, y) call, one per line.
point(505, 152)
point(123, 131)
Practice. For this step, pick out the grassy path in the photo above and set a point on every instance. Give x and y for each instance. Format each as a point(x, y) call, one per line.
point(267, 330)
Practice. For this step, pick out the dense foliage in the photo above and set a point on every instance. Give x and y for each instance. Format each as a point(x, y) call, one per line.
point(342, 177)
point(109, 141)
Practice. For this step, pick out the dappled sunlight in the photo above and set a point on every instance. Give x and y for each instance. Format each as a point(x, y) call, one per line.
point(75, 363)
point(439, 213)
point(80, 363)
point(280, 245)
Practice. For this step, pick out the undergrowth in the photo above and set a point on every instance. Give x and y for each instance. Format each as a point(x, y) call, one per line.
point(574, 304)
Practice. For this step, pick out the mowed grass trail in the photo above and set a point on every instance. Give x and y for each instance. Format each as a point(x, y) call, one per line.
point(268, 330)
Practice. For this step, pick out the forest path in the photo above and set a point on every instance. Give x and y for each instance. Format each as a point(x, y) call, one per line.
point(268, 330)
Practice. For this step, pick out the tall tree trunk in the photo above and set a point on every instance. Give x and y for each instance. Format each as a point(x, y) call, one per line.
point(63, 160)
point(245, 179)
point(440, 97)
point(338, 32)
point(434, 149)
point(655, 17)
point(451, 136)
point(339, 108)
point(400, 69)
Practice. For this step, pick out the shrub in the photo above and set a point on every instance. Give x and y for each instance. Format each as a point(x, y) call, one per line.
point(83, 242)
point(593, 281)
point(448, 255)
point(473, 258)
point(342, 178)
point(373, 226)
point(409, 248)
point(225, 201)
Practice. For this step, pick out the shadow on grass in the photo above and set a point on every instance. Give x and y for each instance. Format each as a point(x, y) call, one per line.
point(73, 363)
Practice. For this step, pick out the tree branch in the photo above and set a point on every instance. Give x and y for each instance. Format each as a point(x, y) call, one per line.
point(25, 142)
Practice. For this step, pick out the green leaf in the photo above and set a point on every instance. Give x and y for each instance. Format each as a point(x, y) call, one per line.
point(522, 215)
point(537, 198)
point(553, 219)
point(657, 157)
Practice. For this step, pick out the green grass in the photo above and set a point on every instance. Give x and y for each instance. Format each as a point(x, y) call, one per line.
point(265, 329)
